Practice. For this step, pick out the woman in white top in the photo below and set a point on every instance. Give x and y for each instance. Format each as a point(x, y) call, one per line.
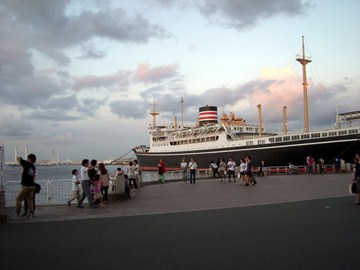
point(104, 177)
point(131, 175)
point(242, 171)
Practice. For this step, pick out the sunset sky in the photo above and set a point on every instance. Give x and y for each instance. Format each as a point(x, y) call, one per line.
point(78, 77)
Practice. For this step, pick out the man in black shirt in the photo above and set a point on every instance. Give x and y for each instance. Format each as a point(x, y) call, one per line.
point(27, 185)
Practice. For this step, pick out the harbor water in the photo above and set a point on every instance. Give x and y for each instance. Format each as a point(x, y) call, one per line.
point(52, 172)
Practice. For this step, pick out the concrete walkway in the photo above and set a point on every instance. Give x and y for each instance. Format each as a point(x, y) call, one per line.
point(204, 195)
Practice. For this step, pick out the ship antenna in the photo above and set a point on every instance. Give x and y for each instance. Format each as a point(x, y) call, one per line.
point(154, 113)
point(260, 120)
point(303, 61)
point(182, 112)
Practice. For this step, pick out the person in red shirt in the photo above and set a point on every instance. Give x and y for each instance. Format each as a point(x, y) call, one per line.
point(162, 170)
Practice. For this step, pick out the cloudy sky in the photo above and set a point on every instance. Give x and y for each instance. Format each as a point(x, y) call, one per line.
point(79, 76)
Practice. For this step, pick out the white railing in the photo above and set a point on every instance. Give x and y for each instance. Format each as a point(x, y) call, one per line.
point(58, 191)
point(52, 192)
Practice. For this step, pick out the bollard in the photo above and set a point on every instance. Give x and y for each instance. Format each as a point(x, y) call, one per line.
point(3, 215)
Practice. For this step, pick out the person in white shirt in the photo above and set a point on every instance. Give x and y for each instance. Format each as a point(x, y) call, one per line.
point(231, 169)
point(75, 190)
point(214, 167)
point(137, 172)
point(192, 167)
point(242, 171)
point(184, 167)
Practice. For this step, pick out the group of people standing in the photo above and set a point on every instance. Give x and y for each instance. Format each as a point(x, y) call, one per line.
point(221, 169)
point(94, 182)
point(191, 167)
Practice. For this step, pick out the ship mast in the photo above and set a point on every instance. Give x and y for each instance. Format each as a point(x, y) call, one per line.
point(182, 112)
point(154, 113)
point(260, 120)
point(303, 61)
point(284, 120)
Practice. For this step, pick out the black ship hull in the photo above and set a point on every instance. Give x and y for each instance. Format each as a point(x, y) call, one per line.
point(276, 154)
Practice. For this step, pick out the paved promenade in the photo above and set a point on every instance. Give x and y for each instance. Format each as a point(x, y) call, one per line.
point(284, 222)
point(204, 195)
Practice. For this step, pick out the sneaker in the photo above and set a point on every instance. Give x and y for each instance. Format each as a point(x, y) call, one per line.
point(80, 206)
point(254, 183)
point(24, 214)
point(69, 203)
point(16, 217)
point(93, 206)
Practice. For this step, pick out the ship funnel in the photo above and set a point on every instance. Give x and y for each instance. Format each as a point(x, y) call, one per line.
point(208, 115)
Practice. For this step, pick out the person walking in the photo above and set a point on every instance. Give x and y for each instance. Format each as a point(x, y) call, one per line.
point(27, 185)
point(161, 170)
point(85, 185)
point(95, 189)
point(192, 167)
point(249, 172)
point(242, 171)
point(104, 179)
point(75, 190)
point(222, 170)
point(184, 168)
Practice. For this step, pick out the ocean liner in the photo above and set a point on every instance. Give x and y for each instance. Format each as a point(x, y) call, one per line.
point(232, 136)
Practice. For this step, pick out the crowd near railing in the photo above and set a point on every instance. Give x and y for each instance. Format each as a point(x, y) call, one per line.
point(57, 192)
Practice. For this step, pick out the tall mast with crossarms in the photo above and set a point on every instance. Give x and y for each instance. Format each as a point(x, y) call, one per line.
point(303, 61)
point(154, 113)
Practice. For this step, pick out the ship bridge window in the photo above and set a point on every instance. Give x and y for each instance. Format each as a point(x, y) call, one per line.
point(278, 139)
point(261, 142)
point(295, 137)
point(249, 143)
point(305, 136)
point(343, 132)
point(286, 138)
point(315, 135)
point(353, 131)
point(333, 133)
point(324, 134)
point(271, 139)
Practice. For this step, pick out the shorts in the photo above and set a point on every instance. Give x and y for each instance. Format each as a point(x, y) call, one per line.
point(97, 196)
point(75, 194)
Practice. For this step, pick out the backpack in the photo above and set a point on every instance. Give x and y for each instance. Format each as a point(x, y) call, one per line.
point(37, 188)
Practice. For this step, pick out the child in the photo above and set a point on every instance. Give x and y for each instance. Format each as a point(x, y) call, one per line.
point(75, 191)
point(96, 190)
